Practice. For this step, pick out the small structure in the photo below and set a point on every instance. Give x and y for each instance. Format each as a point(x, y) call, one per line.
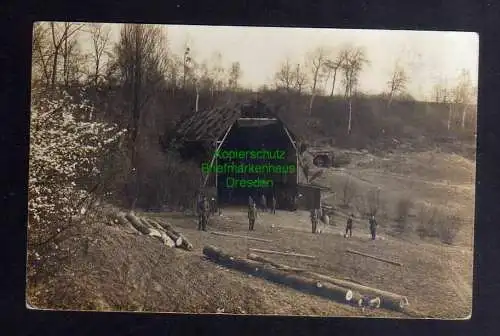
point(309, 196)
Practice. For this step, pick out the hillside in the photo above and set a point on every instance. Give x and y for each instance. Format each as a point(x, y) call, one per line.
point(115, 270)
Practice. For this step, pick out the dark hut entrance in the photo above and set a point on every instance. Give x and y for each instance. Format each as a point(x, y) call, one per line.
point(268, 137)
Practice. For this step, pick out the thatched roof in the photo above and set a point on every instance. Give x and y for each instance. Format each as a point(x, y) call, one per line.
point(210, 125)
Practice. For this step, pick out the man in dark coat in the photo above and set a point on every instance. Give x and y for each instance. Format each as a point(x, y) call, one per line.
point(348, 228)
point(203, 213)
point(273, 204)
point(263, 202)
point(373, 227)
point(314, 219)
point(252, 215)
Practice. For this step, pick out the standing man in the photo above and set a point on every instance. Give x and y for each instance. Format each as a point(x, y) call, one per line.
point(273, 203)
point(263, 202)
point(373, 227)
point(250, 201)
point(213, 206)
point(314, 219)
point(348, 228)
point(203, 213)
point(252, 215)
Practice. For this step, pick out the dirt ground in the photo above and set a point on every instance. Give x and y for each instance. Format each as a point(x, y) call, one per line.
point(120, 271)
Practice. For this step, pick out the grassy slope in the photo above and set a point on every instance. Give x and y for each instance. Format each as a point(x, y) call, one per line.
point(121, 271)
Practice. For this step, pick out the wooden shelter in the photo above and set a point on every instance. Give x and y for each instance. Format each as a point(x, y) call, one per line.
point(249, 127)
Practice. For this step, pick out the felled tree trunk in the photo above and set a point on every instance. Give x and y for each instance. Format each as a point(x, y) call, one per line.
point(123, 221)
point(387, 300)
point(302, 284)
point(186, 245)
point(136, 223)
point(174, 237)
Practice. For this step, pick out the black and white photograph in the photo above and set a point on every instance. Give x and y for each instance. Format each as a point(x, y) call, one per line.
point(252, 170)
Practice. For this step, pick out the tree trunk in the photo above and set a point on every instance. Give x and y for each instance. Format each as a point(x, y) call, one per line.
point(464, 111)
point(56, 55)
point(122, 220)
point(376, 258)
point(388, 300)
point(311, 103)
point(283, 253)
point(449, 116)
point(186, 245)
point(137, 224)
point(177, 239)
point(256, 269)
point(333, 84)
point(350, 117)
point(197, 98)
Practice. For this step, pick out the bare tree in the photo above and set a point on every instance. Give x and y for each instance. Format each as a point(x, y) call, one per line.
point(60, 34)
point(73, 59)
point(41, 54)
point(174, 72)
point(217, 72)
point(142, 62)
point(354, 60)
point(234, 75)
point(100, 42)
point(299, 79)
point(334, 66)
point(284, 77)
point(348, 192)
point(397, 83)
point(316, 60)
point(186, 60)
point(463, 94)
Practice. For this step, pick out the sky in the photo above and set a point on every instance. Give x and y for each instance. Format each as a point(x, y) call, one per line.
point(428, 56)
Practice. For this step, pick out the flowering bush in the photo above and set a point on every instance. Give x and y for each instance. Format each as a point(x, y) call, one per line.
point(63, 149)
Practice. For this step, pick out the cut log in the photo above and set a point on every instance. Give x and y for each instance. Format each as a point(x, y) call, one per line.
point(186, 245)
point(239, 236)
point(376, 258)
point(289, 254)
point(388, 300)
point(256, 269)
point(136, 223)
point(176, 238)
point(255, 257)
point(123, 221)
point(162, 236)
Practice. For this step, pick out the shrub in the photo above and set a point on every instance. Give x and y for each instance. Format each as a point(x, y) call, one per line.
point(435, 224)
point(370, 204)
point(449, 229)
point(403, 208)
point(63, 151)
point(348, 192)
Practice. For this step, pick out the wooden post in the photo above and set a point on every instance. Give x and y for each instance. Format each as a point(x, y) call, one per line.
point(214, 156)
point(216, 174)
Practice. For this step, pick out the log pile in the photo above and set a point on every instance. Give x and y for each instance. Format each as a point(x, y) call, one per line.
point(282, 277)
point(153, 227)
point(362, 295)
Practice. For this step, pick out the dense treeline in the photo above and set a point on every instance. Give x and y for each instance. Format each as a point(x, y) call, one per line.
point(145, 88)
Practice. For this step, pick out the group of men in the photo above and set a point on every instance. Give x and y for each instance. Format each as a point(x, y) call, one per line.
point(318, 214)
point(252, 209)
point(205, 209)
point(372, 224)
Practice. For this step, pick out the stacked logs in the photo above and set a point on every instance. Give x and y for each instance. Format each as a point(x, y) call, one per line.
point(153, 227)
point(309, 282)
